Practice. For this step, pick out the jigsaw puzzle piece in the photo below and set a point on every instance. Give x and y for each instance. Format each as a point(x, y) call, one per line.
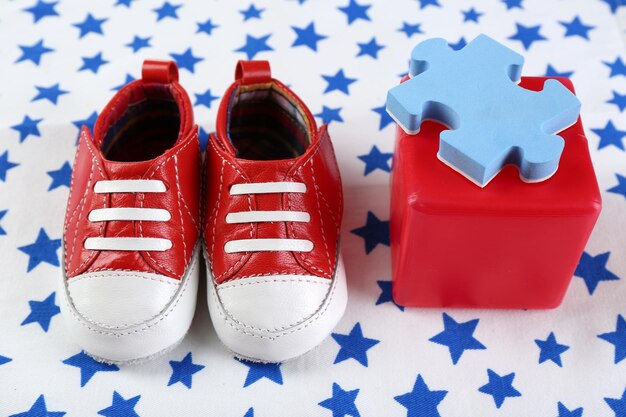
point(495, 122)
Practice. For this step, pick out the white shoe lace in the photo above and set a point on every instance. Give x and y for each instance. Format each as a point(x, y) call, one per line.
point(129, 214)
point(256, 216)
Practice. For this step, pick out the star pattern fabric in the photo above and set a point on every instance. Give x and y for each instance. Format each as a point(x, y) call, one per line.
point(421, 400)
point(342, 403)
point(121, 407)
point(500, 387)
point(65, 60)
point(374, 232)
point(258, 371)
point(88, 366)
point(617, 338)
point(183, 370)
point(551, 350)
point(43, 249)
point(592, 269)
point(353, 345)
point(458, 337)
point(41, 312)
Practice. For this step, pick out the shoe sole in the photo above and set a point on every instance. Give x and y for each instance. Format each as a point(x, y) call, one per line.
point(139, 342)
point(285, 344)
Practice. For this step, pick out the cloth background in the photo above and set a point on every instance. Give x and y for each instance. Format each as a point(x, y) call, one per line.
point(41, 369)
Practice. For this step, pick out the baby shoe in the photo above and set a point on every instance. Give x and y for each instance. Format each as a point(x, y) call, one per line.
point(276, 283)
point(130, 242)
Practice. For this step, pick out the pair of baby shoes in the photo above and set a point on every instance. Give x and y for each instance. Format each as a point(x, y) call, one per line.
point(263, 206)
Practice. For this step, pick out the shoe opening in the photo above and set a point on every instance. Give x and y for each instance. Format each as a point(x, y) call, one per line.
point(265, 122)
point(143, 122)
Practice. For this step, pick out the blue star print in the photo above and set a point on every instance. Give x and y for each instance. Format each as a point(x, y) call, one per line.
point(203, 138)
point(90, 25)
point(471, 15)
point(619, 100)
point(93, 63)
point(618, 405)
point(4, 359)
point(374, 232)
point(342, 403)
point(88, 366)
point(386, 294)
point(355, 11)
point(121, 407)
point(255, 45)
point(251, 13)
point(42, 9)
point(421, 401)
point(307, 36)
point(33, 53)
point(620, 188)
point(551, 350)
point(376, 159)
point(182, 371)
point(39, 409)
point(354, 345)
point(617, 338)
point(527, 35)
point(617, 67)
point(609, 135)
point(249, 413)
point(126, 3)
point(205, 99)
point(552, 72)
point(258, 370)
point(89, 122)
point(5, 165)
point(500, 387)
point(410, 29)
point(424, 3)
point(592, 269)
point(385, 119)
point(43, 250)
point(458, 337)
point(128, 79)
point(139, 43)
point(614, 4)
point(51, 93)
point(565, 412)
point(61, 176)
point(577, 28)
point(42, 312)
point(339, 81)
point(512, 4)
point(167, 10)
point(187, 60)
point(329, 114)
point(2, 214)
point(206, 27)
point(27, 127)
point(459, 45)
point(370, 48)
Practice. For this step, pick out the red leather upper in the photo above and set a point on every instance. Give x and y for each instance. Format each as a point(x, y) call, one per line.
point(178, 167)
point(323, 200)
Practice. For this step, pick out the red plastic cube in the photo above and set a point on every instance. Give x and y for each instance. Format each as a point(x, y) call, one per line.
point(509, 245)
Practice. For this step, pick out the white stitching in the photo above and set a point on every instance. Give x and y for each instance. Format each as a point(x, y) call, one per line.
point(180, 212)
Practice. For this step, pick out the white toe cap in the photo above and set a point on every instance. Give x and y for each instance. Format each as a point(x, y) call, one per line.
point(120, 299)
point(273, 303)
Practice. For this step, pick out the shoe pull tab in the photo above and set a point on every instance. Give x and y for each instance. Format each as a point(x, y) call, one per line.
point(155, 71)
point(253, 72)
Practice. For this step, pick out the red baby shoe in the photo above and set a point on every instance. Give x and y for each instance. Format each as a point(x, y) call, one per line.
point(130, 273)
point(276, 284)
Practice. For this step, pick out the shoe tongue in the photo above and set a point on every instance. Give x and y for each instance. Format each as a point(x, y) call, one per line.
point(127, 170)
point(268, 171)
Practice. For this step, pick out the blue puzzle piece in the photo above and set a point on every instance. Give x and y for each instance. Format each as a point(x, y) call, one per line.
point(495, 122)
